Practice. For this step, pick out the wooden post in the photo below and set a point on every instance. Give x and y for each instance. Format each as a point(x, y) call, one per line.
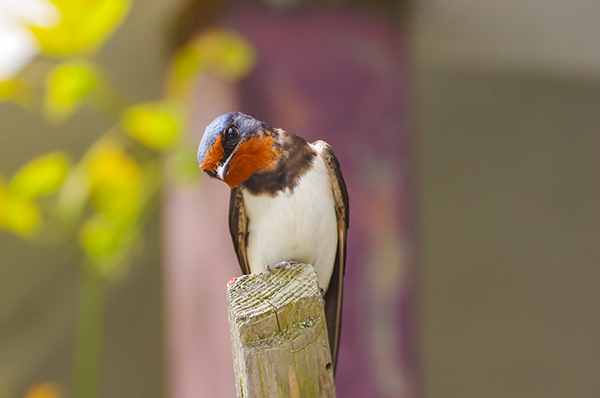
point(279, 335)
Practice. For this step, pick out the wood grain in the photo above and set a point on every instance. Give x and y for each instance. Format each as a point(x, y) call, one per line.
point(279, 335)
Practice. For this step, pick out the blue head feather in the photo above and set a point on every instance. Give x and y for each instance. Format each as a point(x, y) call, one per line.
point(244, 123)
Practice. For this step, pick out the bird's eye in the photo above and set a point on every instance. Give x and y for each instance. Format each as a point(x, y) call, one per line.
point(232, 133)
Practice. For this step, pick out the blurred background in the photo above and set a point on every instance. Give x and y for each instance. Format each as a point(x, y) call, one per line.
point(468, 136)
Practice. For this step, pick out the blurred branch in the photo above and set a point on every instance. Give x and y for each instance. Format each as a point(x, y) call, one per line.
point(90, 330)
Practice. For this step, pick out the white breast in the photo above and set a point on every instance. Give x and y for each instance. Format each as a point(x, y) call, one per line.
point(299, 225)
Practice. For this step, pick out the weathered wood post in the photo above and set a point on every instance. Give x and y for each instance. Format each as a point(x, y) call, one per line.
point(279, 335)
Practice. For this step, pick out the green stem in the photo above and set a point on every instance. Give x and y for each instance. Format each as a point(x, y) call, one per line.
point(88, 346)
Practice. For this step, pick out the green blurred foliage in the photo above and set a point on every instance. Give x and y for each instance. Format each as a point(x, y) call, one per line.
point(19, 215)
point(105, 198)
point(107, 242)
point(226, 53)
point(118, 193)
point(68, 85)
point(41, 176)
point(222, 52)
point(106, 193)
point(158, 125)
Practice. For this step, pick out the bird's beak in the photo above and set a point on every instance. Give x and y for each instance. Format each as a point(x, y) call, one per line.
point(222, 170)
point(224, 167)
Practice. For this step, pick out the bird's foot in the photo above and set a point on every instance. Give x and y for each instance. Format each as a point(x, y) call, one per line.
point(283, 264)
point(323, 296)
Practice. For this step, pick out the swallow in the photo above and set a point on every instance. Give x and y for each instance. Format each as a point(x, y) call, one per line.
point(288, 203)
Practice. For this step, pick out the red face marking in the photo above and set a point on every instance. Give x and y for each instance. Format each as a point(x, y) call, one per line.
point(255, 154)
point(213, 157)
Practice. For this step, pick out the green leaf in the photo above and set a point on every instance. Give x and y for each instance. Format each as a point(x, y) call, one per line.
point(19, 215)
point(187, 62)
point(158, 125)
point(67, 86)
point(227, 53)
point(100, 236)
point(185, 68)
point(106, 242)
point(222, 52)
point(84, 27)
point(40, 176)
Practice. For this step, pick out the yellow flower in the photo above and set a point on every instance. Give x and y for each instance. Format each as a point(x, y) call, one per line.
point(84, 26)
point(115, 181)
point(44, 390)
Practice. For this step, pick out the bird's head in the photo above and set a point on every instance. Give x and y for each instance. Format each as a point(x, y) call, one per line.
point(236, 146)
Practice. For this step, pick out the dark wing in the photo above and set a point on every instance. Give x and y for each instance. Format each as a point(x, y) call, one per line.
point(335, 291)
point(238, 227)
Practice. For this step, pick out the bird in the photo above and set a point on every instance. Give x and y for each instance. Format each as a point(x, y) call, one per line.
point(288, 203)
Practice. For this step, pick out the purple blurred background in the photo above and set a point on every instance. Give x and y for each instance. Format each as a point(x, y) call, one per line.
point(322, 73)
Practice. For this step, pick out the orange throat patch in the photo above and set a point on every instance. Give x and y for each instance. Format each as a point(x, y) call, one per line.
point(213, 157)
point(258, 154)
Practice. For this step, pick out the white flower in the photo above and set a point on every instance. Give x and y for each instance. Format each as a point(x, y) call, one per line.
point(18, 46)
